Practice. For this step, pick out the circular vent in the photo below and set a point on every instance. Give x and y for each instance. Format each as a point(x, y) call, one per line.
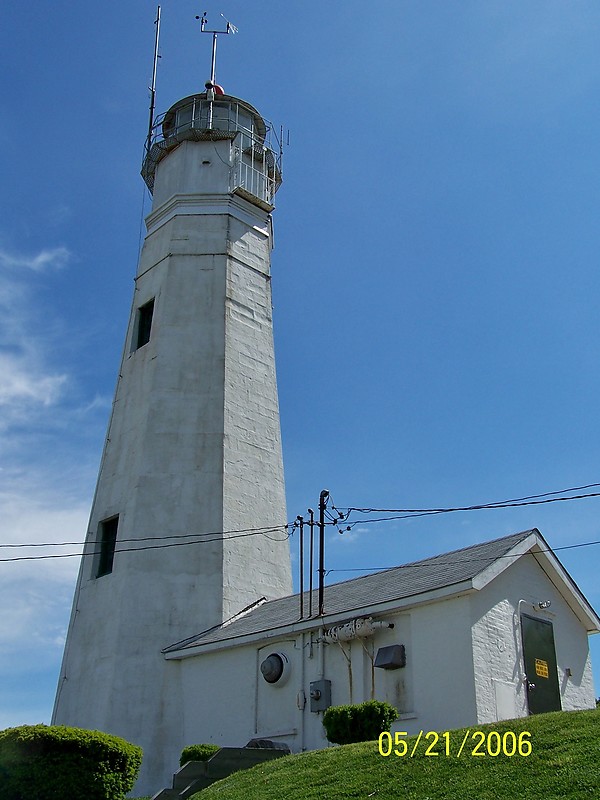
point(275, 668)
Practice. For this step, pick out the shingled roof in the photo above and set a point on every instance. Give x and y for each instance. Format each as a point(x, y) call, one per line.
point(397, 583)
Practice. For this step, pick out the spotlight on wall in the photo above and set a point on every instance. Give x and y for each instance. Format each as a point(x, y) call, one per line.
point(544, 604)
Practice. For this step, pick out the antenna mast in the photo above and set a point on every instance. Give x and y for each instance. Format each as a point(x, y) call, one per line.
point(153, 84)
point(210, 86)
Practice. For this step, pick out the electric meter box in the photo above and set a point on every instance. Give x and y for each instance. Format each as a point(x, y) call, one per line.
point(320, 695)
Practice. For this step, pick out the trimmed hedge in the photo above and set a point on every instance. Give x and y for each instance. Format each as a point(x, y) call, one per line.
point(55, 762)
point(197, 752)
point(361, 722)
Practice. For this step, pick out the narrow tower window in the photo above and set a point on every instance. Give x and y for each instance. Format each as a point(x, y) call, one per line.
point(107, 541)
point(144, 324)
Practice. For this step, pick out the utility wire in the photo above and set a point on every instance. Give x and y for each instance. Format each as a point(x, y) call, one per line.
point(424, 563)
point(269, 529)
point(496, 504)
point(201, 538)
point(410, 514)
point(429, 561)
point(216, 538)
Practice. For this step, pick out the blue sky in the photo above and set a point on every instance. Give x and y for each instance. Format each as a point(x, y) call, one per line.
point(435, 275)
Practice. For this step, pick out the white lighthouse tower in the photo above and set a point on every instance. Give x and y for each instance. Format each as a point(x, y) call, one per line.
point(187, 523)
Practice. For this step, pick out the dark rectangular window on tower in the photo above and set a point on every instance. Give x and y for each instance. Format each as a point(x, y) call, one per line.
point(144, 324)
point(107, 541)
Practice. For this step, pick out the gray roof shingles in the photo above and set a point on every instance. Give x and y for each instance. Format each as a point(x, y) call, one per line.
point(387, 585)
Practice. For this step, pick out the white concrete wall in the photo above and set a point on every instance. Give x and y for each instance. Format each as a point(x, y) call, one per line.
point(497, 649)
point(194, 168)
point(253, 485)
point(434, 691)
point(444, 695)
point(219, 691)
point(462, 668)
point(193, 447)
point(241, 705)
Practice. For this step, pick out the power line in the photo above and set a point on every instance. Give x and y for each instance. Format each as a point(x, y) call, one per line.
point(496, 504)
point(428, 561)
point(288, 528)
point(426, 512)
point(265, 530)
point(217, 538)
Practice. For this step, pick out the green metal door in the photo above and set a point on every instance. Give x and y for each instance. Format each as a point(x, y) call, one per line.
point(543, 693)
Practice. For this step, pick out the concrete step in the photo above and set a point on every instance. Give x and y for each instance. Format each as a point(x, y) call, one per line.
point(231, 759)
point(195, 786)
point(197, 775)
point(188, 773)
point(166, 794)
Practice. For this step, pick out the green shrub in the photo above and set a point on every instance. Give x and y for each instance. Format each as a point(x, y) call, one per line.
point(56, 762)
point(362, 722)
point(197, 752)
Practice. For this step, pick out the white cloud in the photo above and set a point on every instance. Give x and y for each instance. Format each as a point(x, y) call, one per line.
point(346, 537)
point(36, 595)
point(22, 382)
point(46, 482)
point(101, 402)
point(27, 383)
point(49, 258)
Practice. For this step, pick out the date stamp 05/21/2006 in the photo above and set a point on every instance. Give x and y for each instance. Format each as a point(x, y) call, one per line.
point(473, 743)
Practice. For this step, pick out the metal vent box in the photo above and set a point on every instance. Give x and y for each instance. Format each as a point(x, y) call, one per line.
point(392, 657)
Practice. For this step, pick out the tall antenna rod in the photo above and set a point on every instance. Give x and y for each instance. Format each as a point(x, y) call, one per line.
point(324, 496)
point(153, 85)
point(311, 561)
point(210, 86)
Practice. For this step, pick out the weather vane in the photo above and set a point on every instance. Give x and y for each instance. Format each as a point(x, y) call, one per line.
point(230, 28)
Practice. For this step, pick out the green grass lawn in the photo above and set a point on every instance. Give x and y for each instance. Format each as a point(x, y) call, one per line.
point(564, 765)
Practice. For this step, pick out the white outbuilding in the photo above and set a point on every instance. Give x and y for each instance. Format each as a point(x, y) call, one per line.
point(493, 631)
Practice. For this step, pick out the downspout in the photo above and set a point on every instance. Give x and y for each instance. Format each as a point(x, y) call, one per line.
point(257, 673)
point(521, 663)
point(302, 694)
point(322, 653)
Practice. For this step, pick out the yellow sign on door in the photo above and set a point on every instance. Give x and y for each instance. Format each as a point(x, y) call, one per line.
point(541, 668)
